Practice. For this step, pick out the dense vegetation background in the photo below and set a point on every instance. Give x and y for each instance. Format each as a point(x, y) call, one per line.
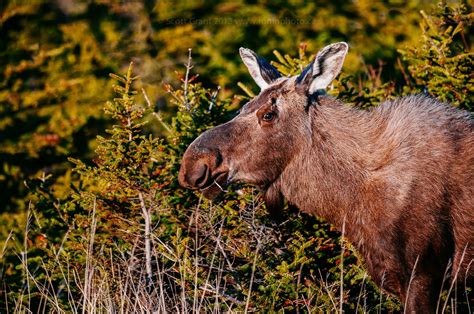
point(92, 217)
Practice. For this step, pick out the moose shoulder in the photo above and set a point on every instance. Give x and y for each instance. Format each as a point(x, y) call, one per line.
point(398, 177)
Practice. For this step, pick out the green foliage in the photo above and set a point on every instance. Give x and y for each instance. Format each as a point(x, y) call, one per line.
point(444, 62)
point(55, 55)
point(116, 232)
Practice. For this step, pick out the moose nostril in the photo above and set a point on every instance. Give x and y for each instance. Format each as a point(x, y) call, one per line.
point(198, 166)
point(202, 179)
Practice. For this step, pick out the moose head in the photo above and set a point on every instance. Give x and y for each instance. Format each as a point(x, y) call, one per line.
point(257, 145)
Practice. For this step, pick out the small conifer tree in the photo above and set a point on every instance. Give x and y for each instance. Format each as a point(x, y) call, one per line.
point(443, 64)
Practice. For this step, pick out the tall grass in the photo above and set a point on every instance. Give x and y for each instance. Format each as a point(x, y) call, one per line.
point(182, 279)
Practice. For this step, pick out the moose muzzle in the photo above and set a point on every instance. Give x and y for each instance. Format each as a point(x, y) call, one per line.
point(202, 168)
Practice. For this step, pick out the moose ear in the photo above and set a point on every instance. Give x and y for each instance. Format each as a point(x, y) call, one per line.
point(324, 69)
point(262, 72)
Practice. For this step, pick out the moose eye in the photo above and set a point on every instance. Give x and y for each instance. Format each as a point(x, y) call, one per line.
point(268, 116)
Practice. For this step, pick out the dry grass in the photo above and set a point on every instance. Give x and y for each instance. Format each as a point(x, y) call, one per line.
point(116, 281)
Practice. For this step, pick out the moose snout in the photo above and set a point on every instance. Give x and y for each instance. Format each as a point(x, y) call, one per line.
point(198, 167)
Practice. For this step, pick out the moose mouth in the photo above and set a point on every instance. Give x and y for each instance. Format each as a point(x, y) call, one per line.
point(215, 185)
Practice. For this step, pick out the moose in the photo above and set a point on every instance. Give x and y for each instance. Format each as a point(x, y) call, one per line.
point(397, 177)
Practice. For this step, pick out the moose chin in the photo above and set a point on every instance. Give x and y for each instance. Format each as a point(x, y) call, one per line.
point(399, 176)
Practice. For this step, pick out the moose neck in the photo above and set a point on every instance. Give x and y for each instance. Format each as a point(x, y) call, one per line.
point(328, 178)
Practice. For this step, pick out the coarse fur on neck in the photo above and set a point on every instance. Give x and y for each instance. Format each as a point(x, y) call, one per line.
point(350, 154)
point(328, 162)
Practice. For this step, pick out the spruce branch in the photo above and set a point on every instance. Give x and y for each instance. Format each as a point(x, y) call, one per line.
point(189, 66)
point(155, 114)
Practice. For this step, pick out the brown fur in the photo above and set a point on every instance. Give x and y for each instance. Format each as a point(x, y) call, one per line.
point(399, 177)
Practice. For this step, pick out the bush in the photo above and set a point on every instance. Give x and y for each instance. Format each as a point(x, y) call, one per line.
point(443, 64)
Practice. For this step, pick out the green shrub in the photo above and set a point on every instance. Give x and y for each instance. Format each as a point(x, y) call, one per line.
point(443, 64)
